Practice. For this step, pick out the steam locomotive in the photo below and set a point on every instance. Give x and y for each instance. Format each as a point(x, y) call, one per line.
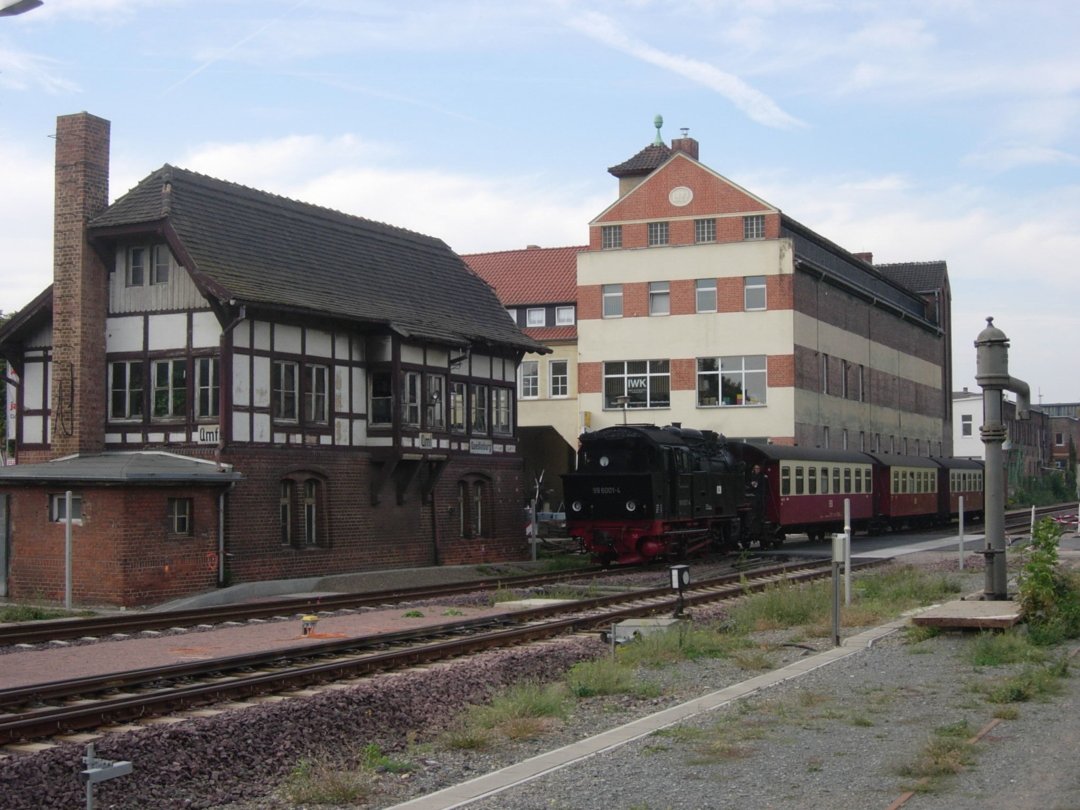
point(642, 493)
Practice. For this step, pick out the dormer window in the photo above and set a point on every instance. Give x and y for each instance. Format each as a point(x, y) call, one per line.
point(147, 261)
point(535, 317)
point(564, 316)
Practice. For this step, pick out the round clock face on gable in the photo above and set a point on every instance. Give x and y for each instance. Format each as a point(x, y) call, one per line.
point(680, 196)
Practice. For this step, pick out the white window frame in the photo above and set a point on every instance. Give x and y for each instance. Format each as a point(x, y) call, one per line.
point(178, 516)
point(436, 402)
point(134, 405)
point(381, 397)
point(285, 391)
point(704, 231)
point(207, 387)
point(479, 423)
point(529, 379)
point(754, 293)
point(135, 272)
point(558, 381)
point(458, 414)
point(175, 391)
point(705, 287)
point(612, 300)
point(659, 298)
point(747, 373)
point(535, 317)
point(564, 316)
point(644, 384)
point(58, 507)
point(610, 237)
point(501, 423)
point(754, 227)
point(658, 233)
point(161, 264)
point(410, 398)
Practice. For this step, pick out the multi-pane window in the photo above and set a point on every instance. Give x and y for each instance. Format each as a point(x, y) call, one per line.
point(704, 230)
point(860, 382)
point(611, 236)
point(754, 226)
point(844, 368)
point(659, 298)
point(161, 262)
point(58, 512)
point(612, 295)
point(207, 388)
point(824, 373)
point(1059, 438)
point(754, 292)
point(658, 233)
point(644, 383)
point(126, 389)
point(382, 398)
point(966, 424)
point(178, 516)
point(736, 380)
point(170, 388)
point(558, 378)
point(457, 407)
point(436, 401)
point(535, 317)
point(705, 295)
point(500, 410)
point(564, 316)
point(143, 261)
point(478, 404)
point(410, 398)
point(284, 376)
point(825, 444)
point(529, 379)
point(316, 401)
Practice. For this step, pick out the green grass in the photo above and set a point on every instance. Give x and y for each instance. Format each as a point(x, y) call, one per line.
point(317, 782)
point(604, 676)
point(681, 642)
point(35, 613)
point(1032, 683)
point(991, 649)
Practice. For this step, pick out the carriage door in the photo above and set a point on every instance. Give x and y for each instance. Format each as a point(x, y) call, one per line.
point(5, 543)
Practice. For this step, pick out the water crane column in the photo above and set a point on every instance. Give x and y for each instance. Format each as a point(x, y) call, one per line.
point(992, 375)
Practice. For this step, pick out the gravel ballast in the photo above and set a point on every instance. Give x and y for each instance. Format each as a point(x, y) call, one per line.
point(836, 737)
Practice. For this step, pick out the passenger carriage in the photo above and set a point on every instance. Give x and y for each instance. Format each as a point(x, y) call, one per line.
point(906, 491)
point(960, 477)
point(806, 488)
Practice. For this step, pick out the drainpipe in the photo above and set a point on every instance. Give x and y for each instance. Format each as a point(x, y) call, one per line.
point(992, 374)
point(221, 534)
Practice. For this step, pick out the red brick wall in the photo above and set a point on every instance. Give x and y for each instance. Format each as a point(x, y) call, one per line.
point(121, 552)
point(80, 292)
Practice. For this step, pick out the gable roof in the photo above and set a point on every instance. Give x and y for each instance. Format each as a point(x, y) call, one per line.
point(259, 249)
point(649, 158)
point(534, 275)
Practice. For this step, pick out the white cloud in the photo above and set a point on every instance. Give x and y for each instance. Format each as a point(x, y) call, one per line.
point(21, 70)
point(755, 104)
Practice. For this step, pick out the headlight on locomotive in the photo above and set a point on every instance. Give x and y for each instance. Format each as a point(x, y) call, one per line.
point(576, 506)
point(631, 506)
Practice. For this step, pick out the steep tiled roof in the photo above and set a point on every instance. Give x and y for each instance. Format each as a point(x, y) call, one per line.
point(264, 250)
point(552, 334)
point(531, 276)
point(917, 276)
point(649, 158)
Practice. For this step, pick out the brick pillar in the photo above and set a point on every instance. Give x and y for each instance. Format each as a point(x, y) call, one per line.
point(80, 287)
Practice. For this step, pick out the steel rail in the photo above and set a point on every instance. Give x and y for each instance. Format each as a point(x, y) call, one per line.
point(532, 624)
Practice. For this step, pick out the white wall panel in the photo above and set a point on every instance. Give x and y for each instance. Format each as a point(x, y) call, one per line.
point(287, 339)
point(124, 334)
point(481, 365)
point(262, 336)
point(241, 429)
point(341, 431)
point(241, 335)
point(262, 428)
point(32, 390)
point(341, 389)
point(341, 347)
point(32, 430)
point(359, 432)
point(167, 332)
point(260, 386)
point(205, 331)
point(412, 354)
point(359, 390)
point(241, 382)
point(318, 343)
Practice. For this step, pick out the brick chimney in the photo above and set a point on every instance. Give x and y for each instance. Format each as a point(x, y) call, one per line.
point(685, 144)
point(80, 287)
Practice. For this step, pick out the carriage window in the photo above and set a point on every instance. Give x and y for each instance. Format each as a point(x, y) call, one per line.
point(836, 480)
point(811, 481)
point(858, 481)
point(785, 480)
point(911, 481)
point(847, 480)
point(799, 489)
point(824, 480)
point(895, 481)
point(868, 480)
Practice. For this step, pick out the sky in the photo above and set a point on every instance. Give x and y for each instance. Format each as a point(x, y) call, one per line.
point(918, 130)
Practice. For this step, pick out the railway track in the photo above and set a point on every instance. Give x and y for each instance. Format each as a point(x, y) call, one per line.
point(46, 710)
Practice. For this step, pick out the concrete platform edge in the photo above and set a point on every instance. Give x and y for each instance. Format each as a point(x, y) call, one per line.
point(529, 769)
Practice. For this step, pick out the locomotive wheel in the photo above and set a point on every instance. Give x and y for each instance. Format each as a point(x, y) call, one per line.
point(776, 540)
